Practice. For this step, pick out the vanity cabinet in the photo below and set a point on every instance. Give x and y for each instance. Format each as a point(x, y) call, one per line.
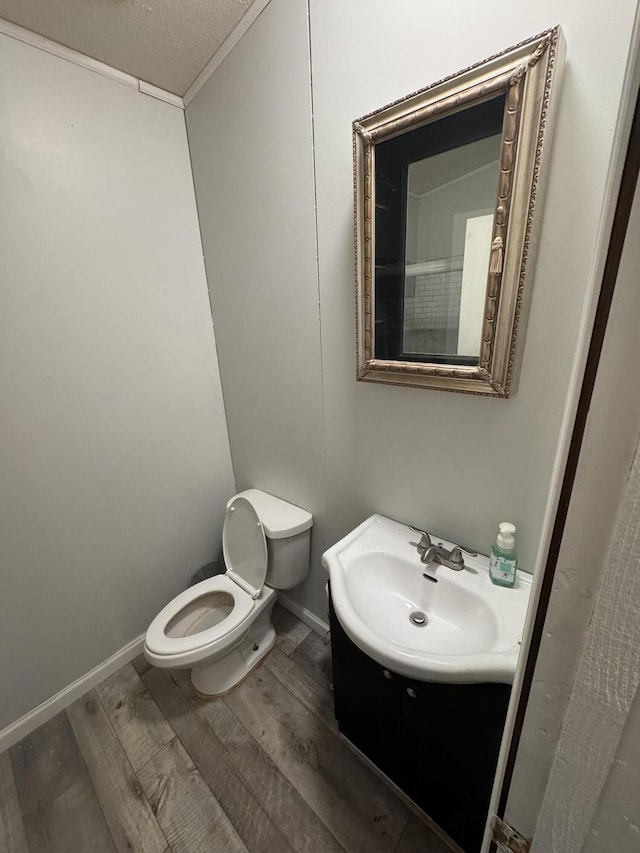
point(438, 742)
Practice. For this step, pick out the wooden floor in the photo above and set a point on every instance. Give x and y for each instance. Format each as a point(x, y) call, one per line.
point(141, 764)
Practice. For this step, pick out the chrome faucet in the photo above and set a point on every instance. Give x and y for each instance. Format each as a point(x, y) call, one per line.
point(432, 553)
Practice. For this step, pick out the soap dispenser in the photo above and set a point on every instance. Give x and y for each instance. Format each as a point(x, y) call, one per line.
point(502, 564)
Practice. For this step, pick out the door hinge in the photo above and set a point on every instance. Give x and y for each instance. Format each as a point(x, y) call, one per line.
point(507, 839)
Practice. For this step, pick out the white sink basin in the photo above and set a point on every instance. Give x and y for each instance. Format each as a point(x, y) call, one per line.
point(471, 628)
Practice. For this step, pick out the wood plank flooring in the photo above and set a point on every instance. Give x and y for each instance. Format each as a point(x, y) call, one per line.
point(141, 763)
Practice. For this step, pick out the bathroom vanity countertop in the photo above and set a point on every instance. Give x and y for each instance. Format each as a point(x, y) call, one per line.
point(460, 629)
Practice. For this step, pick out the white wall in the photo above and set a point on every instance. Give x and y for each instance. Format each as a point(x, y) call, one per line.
point(251, 147)
point(609, 446)
point(456, 463)
point(586, 794)
point(616, 823)
point(450, 462)
point(114, 457)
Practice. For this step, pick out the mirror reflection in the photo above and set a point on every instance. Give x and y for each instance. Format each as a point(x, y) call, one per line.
point(436, 190)
point(449, 214)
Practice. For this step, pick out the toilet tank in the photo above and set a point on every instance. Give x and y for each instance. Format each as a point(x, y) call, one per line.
point(288, 531)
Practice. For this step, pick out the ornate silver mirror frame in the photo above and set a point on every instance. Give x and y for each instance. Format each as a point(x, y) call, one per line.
point(524, 75)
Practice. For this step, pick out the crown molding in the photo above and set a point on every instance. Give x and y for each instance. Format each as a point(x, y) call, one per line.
point(73, 56)
point(251, 15)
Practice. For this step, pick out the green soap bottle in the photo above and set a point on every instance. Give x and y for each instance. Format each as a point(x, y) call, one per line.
point(504, 557)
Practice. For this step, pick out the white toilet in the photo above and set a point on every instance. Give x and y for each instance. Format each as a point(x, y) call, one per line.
point(221, 627)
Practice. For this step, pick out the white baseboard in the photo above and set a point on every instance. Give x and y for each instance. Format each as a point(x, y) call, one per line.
point(50, 707)
point(316, 624)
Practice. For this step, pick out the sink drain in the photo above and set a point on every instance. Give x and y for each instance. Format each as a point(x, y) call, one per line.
point(418, 618)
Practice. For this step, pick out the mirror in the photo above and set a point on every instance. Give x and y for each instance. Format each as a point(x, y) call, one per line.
point(446, 184)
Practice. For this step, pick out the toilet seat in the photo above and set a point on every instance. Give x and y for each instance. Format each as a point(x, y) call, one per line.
point(232, 597)
point(159, 642)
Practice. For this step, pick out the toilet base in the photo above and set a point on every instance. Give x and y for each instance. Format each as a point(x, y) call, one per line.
point(220, 676)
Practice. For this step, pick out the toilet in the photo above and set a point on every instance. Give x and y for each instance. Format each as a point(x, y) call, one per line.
point(221, 627)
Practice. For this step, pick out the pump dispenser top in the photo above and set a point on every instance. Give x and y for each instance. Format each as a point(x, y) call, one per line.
point(505, 539)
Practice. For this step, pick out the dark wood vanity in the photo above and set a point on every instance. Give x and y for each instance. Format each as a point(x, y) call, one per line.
point(438, 742)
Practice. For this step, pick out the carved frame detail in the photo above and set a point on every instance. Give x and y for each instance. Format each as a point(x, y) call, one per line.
point(527, 74)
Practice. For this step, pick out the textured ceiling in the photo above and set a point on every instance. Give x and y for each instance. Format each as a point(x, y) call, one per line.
point(165, 42)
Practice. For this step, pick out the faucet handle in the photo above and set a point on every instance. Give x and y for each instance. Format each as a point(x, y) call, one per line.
point(467, 551)
point(425, 539)
point(455, 561)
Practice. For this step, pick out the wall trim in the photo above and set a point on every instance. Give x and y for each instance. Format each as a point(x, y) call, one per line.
point(543, 573)
point(605, 686)
point(314, 622)
point(160, 94)
point(251, 15)
point(73, 56)
point(50, 707)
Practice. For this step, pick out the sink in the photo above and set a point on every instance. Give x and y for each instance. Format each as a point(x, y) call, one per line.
point(462, 629)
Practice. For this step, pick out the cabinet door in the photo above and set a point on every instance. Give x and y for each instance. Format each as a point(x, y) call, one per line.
point(438, 742)
point(485, 725)
point(452, 736)
point(432, 774)
point(367, 701)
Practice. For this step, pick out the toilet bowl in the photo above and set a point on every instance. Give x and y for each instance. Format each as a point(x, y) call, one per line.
point(221, 628)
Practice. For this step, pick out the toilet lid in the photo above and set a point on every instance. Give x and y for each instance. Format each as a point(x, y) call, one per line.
point(244, 546)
